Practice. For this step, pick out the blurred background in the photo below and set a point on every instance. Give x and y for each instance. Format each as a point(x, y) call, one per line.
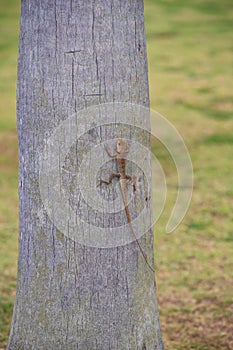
point(189, 46)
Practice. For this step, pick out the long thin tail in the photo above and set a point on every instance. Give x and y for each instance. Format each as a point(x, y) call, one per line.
point(134, 234)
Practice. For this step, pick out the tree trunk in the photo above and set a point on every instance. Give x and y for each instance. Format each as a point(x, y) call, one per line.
point(73, 294)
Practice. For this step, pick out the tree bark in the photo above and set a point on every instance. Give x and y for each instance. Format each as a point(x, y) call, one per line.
point(74, 54)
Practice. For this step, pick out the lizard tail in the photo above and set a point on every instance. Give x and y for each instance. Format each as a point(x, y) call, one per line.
point(135, 237)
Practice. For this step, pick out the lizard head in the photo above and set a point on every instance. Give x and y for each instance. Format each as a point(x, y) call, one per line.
point(120, 146)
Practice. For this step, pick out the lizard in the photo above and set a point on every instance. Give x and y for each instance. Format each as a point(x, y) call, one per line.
point(121, 150)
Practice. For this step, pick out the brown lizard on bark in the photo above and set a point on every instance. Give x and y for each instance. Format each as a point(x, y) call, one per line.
point(122, 149)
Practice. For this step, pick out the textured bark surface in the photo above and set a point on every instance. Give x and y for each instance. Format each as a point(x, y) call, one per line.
point(74, 54)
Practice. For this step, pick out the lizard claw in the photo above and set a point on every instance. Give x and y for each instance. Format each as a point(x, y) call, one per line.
point(98, 184)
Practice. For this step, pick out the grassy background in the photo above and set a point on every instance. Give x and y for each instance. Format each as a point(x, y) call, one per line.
point(190, 70)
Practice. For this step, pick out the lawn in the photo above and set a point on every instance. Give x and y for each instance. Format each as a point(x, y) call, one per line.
point(189, 47)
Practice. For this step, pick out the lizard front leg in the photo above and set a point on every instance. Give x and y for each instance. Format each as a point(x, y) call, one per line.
point(112, 155)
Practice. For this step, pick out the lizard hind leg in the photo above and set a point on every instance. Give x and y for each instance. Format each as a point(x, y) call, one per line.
point(128, 177)
point(107, 182)
point(135, 182)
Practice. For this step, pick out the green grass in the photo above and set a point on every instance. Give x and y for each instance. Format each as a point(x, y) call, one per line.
point(218, 139)
point(189, 47)
point(189, 53)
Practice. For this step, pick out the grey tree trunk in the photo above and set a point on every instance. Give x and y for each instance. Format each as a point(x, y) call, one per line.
point(74, 54)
